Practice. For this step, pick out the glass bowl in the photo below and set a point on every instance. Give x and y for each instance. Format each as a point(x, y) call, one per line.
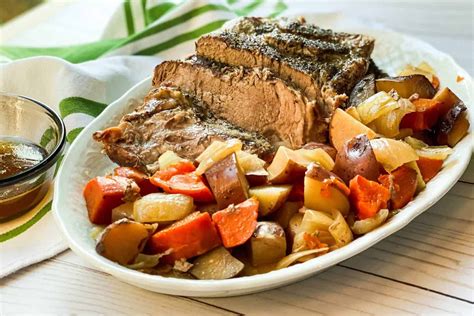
point(31, 121)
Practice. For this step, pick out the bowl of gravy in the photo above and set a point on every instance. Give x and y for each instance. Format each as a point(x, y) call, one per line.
point(32, 139)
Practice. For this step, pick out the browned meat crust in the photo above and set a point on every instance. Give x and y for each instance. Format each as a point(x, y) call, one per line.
point(170, 120)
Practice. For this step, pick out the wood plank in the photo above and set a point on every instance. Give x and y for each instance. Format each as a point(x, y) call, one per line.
point(57, 286)
point(435, 251)
point(73, 285)
point(340, 291)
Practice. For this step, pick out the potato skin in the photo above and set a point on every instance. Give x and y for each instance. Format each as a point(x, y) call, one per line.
point(331, 151)
point(227, 182)
point(357, 158)
point(445, 129)
point(267, 244)
point(406, 86)
point(123, 240)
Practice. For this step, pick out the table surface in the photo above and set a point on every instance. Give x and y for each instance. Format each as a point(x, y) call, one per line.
point(425, 268)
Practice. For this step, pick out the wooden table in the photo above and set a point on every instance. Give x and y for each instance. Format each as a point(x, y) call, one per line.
point(426, 268)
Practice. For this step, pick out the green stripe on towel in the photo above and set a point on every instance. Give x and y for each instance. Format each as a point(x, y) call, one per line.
point(73, 105)
point(127, 8)
point(182, 38)
point(23, 227)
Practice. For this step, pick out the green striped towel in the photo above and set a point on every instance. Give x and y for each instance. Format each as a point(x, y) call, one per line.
point(79, 81)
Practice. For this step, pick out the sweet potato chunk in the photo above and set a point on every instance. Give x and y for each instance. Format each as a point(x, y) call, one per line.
point(402, 184)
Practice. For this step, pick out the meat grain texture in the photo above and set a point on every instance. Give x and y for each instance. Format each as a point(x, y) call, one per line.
point(267, 82)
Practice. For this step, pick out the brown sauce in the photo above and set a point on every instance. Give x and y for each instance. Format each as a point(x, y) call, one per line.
point(16, 156)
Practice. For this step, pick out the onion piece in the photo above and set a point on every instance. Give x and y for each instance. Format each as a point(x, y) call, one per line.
point(389, 123)
point(292, 258)
point(391, 153)
point(364, 226)
point(168, 158)
point(377, 105)
point(143, 261)
point(432, 152)
point(216, 152)
point(339, 230)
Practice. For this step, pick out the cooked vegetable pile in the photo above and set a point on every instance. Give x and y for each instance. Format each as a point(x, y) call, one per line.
point(230, 213)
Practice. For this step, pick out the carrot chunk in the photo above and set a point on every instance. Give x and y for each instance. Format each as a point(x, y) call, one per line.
point(429, 167)
point(402, 184)
point(187, 238)
point(367, 197)
point(237, 223)
point(180, 178)
point(427, 114)
point(102, 194)
point(141, 179)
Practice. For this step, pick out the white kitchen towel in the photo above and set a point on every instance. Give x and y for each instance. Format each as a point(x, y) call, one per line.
point(79, 81)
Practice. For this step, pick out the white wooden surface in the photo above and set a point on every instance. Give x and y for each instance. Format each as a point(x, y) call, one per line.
point(426, 268)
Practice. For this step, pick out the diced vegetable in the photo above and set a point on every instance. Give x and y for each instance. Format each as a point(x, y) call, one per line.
point(189, 237)
point(364, 89)
point(216, 152)
point(217, 264)
point(139, 177)
point(427, 114)
point(253, 168)
point(180, 178)
point(448, 98)
point(168, 158)
point(344, 127)
point(453, 126)
point(339, 230)
point(102, 194)
point(162, 208)
point(294, 257)
point(434, 152)
point(406, 86)
point(270, 197)
point(319, 155)
point(376, 106)
point(352, 111)
point(227, 181)
point(367, 197)
point(364, 226)
point(294, 225)
point(357, 158)
point(289, 165)
point(389, 123)
point(122, 211)
point(122, 241)
point(324, 191)
point(422, 69)
point(297, 191)
point(431, 158)
point(415, 143)
point(331, 151)
point(237, 222)
point(143, 261)
point(401, 184)
point(420, 184)
point(429, 167)
point(391, 153)
point(267, 244)
point(283, 215)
